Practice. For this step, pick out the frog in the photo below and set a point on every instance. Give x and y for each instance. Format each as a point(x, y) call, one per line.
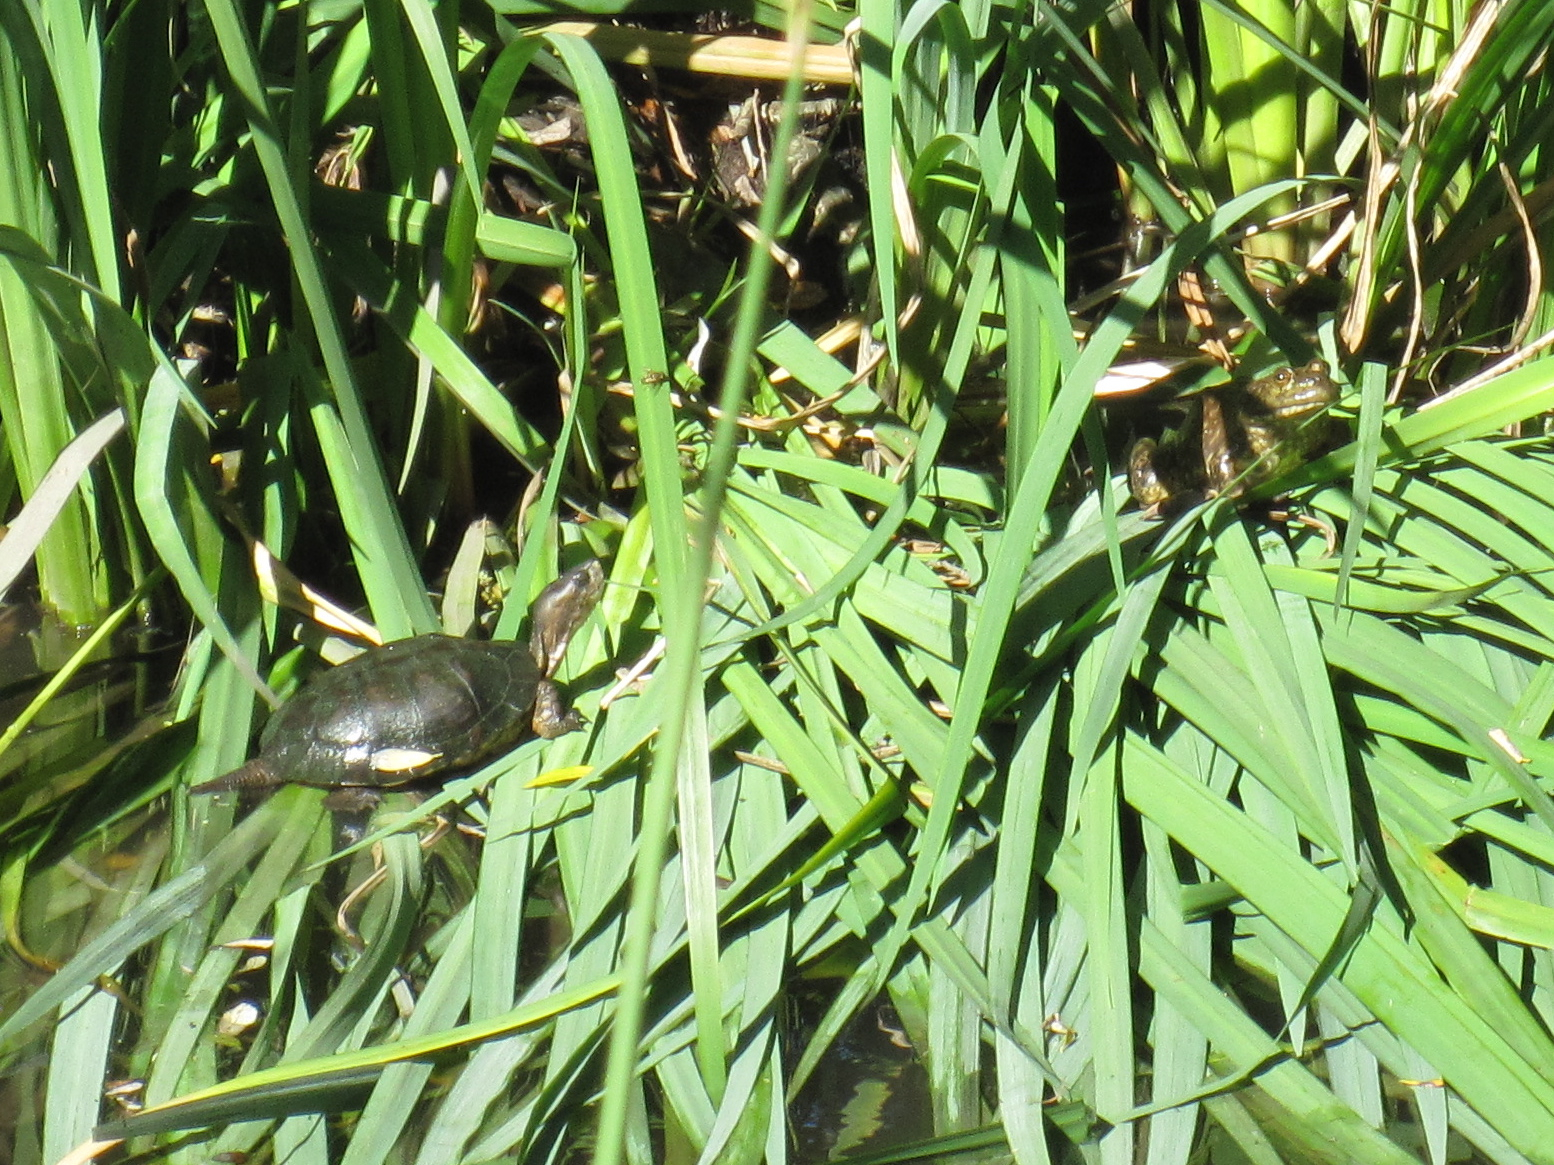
point(1236, 437)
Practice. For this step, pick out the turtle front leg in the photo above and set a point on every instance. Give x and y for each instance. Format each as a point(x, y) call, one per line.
point(552, 718)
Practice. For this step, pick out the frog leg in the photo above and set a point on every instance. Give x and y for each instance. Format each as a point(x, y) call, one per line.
point(1219, 462)
point(1328, 531)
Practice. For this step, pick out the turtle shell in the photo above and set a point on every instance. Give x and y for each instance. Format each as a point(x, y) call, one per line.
point(402, 712)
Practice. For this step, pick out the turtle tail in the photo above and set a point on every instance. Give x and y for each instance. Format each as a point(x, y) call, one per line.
point(253, 775)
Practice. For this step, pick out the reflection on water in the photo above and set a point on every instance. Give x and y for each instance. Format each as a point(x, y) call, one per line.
point(869, 1092)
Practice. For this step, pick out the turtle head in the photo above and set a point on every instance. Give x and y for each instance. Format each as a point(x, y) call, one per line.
point(560, 611)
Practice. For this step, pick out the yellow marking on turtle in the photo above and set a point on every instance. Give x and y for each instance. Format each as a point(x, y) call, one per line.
point(401, 760)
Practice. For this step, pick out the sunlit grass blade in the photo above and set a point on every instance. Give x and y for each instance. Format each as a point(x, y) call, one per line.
point(382, 551)
point(297, 1085)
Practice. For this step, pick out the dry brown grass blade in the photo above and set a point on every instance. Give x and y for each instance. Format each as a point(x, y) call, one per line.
point(735, 56)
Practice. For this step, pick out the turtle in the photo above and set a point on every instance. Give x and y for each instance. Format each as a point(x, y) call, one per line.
point(432, 704)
